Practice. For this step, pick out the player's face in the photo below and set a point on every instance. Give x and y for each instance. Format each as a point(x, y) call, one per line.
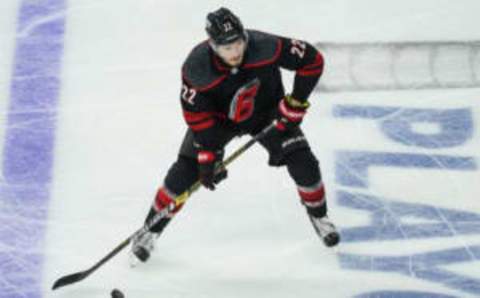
point(232, 53)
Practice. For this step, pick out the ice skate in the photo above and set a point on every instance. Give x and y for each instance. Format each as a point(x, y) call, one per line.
point(142, 247)
point(325, 230)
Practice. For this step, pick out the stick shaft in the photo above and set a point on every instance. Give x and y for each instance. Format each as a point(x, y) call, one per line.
point(182, 198)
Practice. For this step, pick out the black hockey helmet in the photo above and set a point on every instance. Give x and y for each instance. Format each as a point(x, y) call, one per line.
point(224, 27)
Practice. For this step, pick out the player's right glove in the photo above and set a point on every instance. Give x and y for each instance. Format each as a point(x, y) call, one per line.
point(207, 162)
point(290, 112)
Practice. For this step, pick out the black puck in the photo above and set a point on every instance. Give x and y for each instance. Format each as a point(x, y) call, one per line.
point(116, 293)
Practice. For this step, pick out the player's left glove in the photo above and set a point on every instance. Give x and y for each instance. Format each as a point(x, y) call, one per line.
point(207, 163)
point(290, 112)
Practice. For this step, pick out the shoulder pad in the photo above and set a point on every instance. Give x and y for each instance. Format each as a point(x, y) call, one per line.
point(263, 49)
point(198, 70)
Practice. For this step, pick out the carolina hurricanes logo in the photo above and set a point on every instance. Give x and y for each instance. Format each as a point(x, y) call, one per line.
point(243, 103)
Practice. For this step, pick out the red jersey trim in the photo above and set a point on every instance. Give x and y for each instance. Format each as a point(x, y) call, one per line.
point(267, 61)
point(203, 125)
point(207, 87)
point(314, 68)
point(196, 116)
point(307, 73)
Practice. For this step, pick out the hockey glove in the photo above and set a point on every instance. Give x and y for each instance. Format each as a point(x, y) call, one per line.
point(290, 112)
point(207, 162)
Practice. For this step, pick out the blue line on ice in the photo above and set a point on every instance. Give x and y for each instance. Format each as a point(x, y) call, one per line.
point(29, 146)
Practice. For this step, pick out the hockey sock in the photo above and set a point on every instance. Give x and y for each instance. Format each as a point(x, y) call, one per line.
point(305, 171)
point(313, 198)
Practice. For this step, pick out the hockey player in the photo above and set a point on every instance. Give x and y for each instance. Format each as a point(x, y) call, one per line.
point(232, 86)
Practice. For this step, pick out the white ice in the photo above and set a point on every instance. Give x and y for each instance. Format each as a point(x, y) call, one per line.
point(120, 126)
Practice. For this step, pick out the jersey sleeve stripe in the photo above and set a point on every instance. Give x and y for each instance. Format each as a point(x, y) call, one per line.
point(307, 73)
point(315, 68)
point(202, 125)
point(206, 87)
point(197, 116)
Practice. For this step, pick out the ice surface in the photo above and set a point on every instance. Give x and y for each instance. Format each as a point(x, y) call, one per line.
point(400, 166)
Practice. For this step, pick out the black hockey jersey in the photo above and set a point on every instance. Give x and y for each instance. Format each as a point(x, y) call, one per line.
point(215, 96)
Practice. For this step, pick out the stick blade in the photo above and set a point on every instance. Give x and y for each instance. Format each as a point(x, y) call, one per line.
point(69, 279)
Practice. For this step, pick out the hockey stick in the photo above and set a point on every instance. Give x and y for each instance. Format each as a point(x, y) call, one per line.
point(76, 277)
